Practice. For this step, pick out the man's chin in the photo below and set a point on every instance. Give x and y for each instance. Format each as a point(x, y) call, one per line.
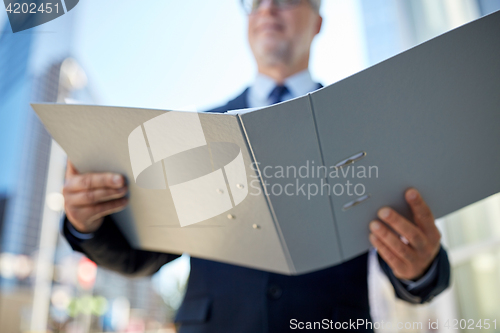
point(272, 50)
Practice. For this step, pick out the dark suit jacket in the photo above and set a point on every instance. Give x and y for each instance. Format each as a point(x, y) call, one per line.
point(227, 298)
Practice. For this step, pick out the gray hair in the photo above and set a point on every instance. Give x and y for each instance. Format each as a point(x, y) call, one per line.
point(316, 4)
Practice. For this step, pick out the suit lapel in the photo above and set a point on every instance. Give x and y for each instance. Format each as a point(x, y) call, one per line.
point(240, 102)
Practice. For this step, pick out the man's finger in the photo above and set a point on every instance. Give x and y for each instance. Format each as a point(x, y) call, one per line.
point(402, 226)
point(422, 214)
point(91, 181)
point(85, 198)
point(393, 243)
point(389, 257)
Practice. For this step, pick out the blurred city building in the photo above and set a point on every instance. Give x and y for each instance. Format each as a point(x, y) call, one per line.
point(471, 235)
point(3, 203)
point(37, 66)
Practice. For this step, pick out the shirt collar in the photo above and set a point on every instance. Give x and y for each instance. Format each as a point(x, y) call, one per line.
point(298, 84)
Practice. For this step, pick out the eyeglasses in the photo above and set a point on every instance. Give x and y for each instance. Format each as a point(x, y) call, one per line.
point(251, 6)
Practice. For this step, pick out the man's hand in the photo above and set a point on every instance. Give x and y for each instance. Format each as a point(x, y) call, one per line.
point(411, 255)
point(91, 196)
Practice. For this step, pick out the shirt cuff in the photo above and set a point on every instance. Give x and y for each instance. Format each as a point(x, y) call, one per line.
point(424, 280)
point(79, 235)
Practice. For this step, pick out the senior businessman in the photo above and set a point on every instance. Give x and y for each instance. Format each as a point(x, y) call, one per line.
point(227, 298)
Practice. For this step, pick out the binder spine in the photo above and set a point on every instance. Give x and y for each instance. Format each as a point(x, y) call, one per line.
point(337, 231)
point(282, 239)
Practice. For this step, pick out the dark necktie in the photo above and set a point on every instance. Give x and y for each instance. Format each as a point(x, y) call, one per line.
point(277, 94)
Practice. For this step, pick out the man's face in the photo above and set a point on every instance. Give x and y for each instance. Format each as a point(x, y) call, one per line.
point(282, 35)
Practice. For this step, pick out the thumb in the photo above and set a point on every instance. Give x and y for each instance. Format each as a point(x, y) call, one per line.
point(71, 170)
